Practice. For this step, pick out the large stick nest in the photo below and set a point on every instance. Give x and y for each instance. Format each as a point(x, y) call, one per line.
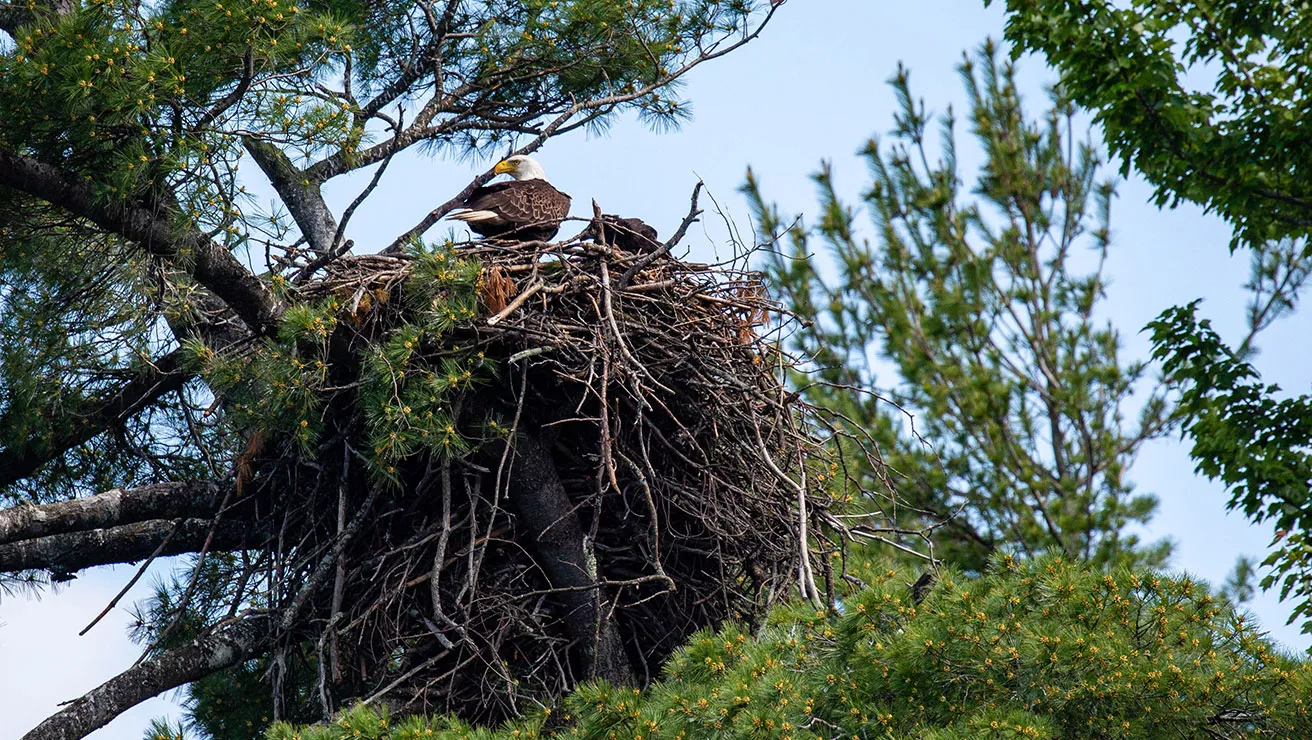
point(649, 395)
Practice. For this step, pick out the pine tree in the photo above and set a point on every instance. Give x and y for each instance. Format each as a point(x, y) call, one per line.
point(965, 333)
point(1042, 649)
point(158, 337)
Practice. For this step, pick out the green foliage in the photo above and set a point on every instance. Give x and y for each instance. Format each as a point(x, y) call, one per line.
point(71, 330)
point(1234, 143)
point(1238, 148)
point(162, 95)
point(1240, 584)
point(410, 375)
point(1249, 438)
point(277, 387)
point(1021, 432)
point(134, 91)
point(1042, 649)
point(162, 729)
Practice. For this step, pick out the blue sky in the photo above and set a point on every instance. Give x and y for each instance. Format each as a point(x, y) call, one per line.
point(811, 88)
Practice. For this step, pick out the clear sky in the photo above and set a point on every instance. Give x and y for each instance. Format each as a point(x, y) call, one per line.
point(811, 87)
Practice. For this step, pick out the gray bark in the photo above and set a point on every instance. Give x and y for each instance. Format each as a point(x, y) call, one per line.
point(301, 195)
point(66, 554)
point(168, 670)
point(113, 508)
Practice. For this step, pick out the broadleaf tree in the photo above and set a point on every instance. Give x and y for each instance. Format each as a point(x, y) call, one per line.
point(965, 330)
point(133, 251)
point(1207, 101)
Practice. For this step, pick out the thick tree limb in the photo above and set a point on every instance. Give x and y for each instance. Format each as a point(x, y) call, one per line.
point(114, 508)
point(299, 193)
point(208, 262)
point(168, 670)
point(152, 382)
point(543, 508)
point(65, 554)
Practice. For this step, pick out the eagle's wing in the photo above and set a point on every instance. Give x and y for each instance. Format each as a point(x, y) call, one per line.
point(531, 208)
point(509, 200)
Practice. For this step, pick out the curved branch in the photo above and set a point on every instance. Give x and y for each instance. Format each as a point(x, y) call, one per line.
point(113, 508)
point(664, 249)
point(168, 670)
point(70, 430)
point(65, 554)
point(155, 231)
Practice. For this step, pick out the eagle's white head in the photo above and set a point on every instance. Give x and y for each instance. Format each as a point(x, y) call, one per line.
point(520, 167)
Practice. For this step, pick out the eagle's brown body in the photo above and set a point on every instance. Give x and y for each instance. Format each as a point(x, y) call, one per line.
point(527, 208)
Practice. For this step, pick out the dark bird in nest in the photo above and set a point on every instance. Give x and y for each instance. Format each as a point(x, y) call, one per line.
point(629, 234)
point(527, 208)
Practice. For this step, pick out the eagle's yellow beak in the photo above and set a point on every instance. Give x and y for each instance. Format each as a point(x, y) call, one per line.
point(504, 167)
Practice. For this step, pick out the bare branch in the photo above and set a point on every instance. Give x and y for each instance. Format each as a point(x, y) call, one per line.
point(665, 248)
point(234, 97)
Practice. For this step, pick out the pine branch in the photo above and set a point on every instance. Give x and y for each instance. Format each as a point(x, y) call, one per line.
point(65, 554)
point(155, 231)
point(72, 429)
point(112, 508)
point(168, 670)
point(589, 110)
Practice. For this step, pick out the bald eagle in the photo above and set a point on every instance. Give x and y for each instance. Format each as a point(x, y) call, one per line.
point(527, 208)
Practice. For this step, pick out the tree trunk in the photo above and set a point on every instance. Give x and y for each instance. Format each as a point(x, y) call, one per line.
point(545, 511)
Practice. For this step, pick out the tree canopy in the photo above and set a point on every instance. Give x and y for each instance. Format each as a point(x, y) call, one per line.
point(187, 370)
point(1207, 101)
point(1031, 649)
